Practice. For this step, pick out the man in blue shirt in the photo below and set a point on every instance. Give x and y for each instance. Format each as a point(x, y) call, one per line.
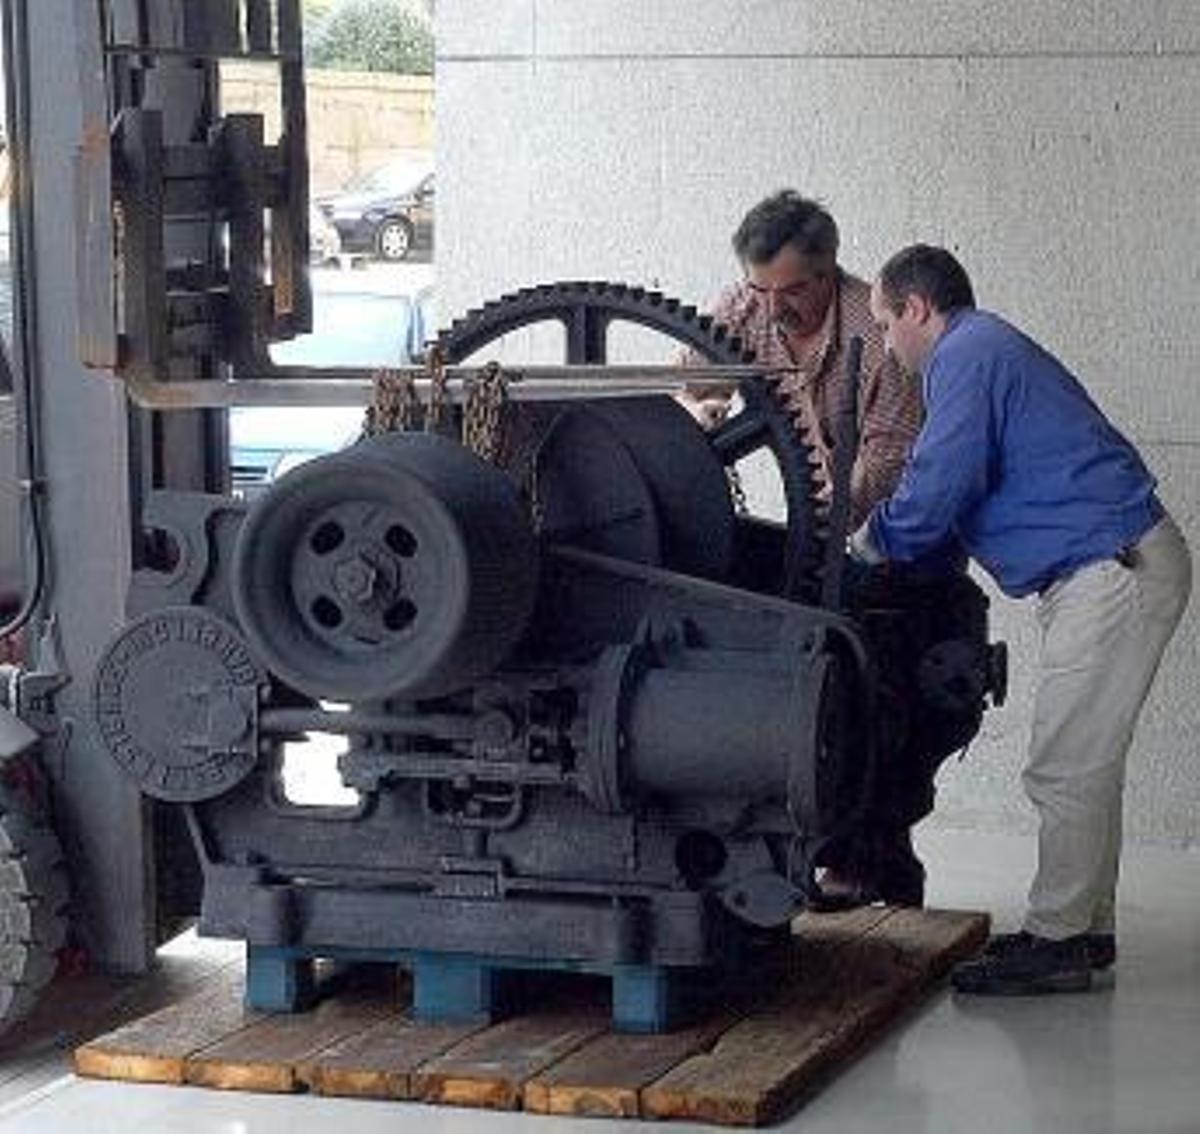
point(1018, 465)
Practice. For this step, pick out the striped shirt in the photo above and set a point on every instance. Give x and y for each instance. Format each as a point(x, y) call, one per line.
point(889, 400)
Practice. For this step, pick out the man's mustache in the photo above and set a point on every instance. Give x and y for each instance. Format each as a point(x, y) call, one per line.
point(787, 320)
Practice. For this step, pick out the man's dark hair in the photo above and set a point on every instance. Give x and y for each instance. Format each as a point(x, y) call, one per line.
point(927, 271)
point(785, 218)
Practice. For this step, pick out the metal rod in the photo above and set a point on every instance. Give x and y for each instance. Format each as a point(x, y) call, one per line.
point(443, 726)
point(350, 387)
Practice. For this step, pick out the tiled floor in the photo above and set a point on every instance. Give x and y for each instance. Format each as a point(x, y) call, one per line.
point(1125, 1059)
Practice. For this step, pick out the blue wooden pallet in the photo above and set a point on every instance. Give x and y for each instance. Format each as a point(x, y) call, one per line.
point(463, 987)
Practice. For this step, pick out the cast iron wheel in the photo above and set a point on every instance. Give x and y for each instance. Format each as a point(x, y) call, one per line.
point(588, 310)
point(33, 902)
point(394, 239)
point(402, 567)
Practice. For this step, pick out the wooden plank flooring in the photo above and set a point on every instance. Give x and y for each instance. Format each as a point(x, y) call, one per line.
point(798, 1016)
point(77, 1007)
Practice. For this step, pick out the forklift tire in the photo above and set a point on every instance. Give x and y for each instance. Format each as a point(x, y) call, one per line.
point(33, 904)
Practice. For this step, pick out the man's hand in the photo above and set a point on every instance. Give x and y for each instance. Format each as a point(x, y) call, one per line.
point(708, 405)
point(861, 547)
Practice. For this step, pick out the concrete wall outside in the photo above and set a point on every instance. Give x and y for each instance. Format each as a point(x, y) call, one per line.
point(357, 120)
point(1054, 144)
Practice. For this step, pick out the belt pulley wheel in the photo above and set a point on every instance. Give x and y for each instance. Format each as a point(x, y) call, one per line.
point(693, 506)
point(402, 567)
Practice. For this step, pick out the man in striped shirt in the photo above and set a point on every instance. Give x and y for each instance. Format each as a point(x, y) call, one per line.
point(796, 308)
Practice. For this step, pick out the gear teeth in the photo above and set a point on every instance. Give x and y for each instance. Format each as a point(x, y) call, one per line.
point(802, 473)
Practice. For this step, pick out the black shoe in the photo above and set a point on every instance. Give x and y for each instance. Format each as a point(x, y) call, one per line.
point(1101, 947)
point(1023, 964)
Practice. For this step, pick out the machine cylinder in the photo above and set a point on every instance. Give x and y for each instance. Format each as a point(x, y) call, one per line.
point(719, 733)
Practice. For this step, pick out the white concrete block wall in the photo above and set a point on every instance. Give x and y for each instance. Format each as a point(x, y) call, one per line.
point(1055, 144)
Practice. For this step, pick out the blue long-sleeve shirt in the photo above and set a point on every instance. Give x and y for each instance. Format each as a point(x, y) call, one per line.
point(1016, 462)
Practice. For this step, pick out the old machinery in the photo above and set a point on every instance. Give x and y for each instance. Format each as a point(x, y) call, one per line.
point(589, 712)
point(593, 716)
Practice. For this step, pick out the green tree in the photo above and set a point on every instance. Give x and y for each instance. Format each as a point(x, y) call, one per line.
point(374, 35)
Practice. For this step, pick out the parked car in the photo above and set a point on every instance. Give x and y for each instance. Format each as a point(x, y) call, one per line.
point(387, 214)
point(352, 327)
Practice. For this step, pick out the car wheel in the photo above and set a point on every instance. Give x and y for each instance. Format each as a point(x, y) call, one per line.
point(394, 239)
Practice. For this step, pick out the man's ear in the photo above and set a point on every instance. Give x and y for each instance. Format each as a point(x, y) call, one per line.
point(917, 308)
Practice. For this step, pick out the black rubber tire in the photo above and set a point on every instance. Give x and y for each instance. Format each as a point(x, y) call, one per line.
point(33, 904)
point(586, 309)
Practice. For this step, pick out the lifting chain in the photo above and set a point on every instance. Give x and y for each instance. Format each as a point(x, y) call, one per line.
point(484, 413)
point(394, 406)
point(737, 491)
point(437, 412)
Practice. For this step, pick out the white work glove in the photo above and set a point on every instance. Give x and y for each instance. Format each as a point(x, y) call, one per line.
point(861, 547)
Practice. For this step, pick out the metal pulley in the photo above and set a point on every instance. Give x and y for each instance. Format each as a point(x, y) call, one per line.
point(176, 703)
point(402, 567)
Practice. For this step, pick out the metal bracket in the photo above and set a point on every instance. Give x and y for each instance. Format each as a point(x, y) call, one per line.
point(35, 688)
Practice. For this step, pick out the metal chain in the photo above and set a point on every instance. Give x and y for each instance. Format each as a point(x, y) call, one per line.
point(737, 491)
point(394, 404)
point(437, 412)
point(483, 415)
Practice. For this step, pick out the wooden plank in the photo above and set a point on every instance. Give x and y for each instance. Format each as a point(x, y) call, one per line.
point(155, 1048)
point(267, 1055)
point(798, 1013)
point(931, 942)
point(606, 1076)
point(78, 1007)
point(764, 1065)
point(379, 1062)
point(840, 925)
point(490, 1069)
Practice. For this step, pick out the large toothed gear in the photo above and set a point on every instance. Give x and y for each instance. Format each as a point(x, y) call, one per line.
point(587, 310)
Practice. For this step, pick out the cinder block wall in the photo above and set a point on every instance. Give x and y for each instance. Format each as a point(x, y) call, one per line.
point(357, 120)
point(1055, 144)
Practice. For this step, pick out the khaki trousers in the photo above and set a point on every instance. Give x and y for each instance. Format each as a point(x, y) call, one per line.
point(1104, 630)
